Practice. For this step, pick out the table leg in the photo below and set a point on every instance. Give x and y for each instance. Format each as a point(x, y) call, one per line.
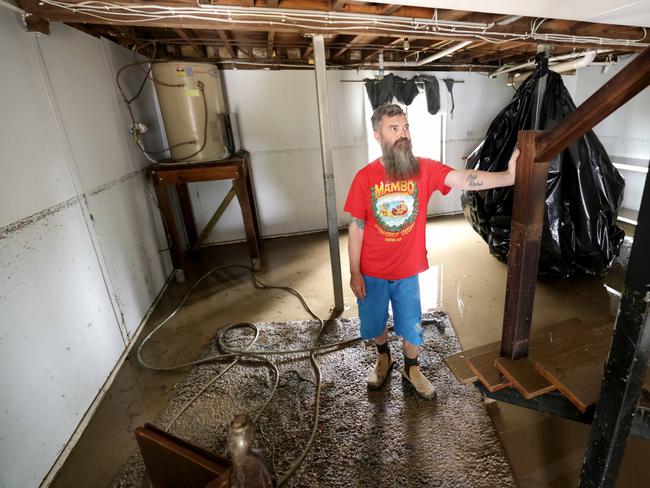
point(256, 221)
point(247, 209)
point(173, 236)
point(188, 214)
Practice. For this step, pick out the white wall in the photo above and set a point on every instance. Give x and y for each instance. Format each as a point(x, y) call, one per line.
point(79, 243)
point(278, 118)
point(626, 132)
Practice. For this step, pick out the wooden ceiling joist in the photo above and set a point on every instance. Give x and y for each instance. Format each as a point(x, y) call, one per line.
point(223, 35)
point(269, 44)
point(376, 52)
point(391, 9)
point(189, 40)
point(352, 43)
point(262, 35)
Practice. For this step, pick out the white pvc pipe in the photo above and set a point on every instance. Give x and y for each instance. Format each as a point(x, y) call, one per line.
point(429, 59)
point(530, 64)
point(586, 60)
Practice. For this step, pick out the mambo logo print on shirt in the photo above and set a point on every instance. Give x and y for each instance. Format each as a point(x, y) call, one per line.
point(395, 206)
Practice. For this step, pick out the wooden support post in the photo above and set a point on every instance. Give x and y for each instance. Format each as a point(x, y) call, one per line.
point(626, 365)
point(525, 241)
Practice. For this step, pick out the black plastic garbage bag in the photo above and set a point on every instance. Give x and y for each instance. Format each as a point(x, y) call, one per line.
point(584, 191)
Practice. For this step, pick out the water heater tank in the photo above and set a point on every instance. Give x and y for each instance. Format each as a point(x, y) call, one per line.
point(192, 104)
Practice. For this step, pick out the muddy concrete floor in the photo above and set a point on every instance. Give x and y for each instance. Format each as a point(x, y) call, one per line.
point(385, 438)
point(464, 281)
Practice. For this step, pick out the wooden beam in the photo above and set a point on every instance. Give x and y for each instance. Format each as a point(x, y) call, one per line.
point(337, 5)
point(377, 51)
point(355, 40)
point(191, 42)
point(622, 87)
point(223, 35)
point(258, 24)
point(525, 243)
point(269, 44)
point(391, 9)
point(36, 24)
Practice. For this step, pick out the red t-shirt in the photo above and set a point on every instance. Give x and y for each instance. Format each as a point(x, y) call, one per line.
point(395, 213)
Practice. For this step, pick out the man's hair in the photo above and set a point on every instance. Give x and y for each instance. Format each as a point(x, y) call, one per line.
point(385, 110)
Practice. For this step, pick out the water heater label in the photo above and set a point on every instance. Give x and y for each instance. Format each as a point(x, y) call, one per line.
point(182, 71)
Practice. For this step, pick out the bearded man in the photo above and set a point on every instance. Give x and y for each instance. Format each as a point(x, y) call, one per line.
point(386, 241)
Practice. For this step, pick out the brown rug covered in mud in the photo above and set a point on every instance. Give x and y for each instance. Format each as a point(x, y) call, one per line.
point(387, 438)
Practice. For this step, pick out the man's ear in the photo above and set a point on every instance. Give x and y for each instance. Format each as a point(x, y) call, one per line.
point(377, 137)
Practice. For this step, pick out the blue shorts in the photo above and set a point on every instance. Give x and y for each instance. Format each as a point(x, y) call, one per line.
point(404, 297)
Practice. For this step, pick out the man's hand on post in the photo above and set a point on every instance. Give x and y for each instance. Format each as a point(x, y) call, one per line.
point(512, 165)
point(358, 285)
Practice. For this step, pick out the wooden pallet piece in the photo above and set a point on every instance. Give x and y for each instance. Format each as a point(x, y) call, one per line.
point(524, 377)
point(559, 343)
point(522, 373)
point(457, 363)
point(577, 372)
point(483, 367)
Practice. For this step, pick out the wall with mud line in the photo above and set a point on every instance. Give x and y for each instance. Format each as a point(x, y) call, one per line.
point(82, 254)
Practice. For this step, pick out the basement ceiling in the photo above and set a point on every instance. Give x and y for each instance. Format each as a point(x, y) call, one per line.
point(258, 34)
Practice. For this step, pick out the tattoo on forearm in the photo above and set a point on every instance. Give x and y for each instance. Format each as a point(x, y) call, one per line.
point(359, 223)
point(473, 180)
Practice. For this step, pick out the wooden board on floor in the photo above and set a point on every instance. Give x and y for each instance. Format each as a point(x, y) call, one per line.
point(524, 377)
point(457, 363)
point(483, 367)
point(577, 372)
point(565, 342)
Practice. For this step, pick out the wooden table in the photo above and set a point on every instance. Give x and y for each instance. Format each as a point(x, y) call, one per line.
point(235, 168)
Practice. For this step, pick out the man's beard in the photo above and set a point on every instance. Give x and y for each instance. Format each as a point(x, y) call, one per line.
point(398, 159)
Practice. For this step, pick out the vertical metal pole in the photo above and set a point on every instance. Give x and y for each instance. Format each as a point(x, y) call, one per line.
point(328, 168)
point(540, 90)
point(626, 365)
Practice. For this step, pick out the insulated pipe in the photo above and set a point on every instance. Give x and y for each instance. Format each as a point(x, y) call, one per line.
point(429, 59)
point(586, 60)
point(531, 64)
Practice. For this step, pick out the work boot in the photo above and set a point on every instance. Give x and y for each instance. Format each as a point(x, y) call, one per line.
point(422, 385)
point(378, 375)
